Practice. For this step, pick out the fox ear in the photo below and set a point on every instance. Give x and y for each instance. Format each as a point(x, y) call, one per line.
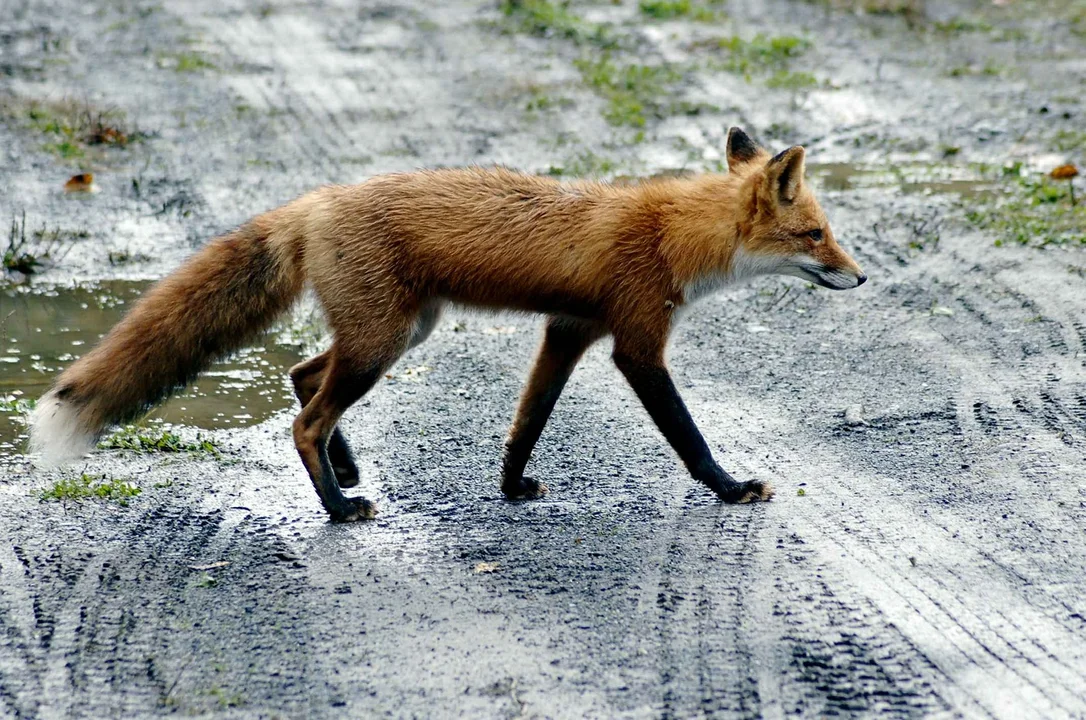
point(785, 173)
point(741, 149)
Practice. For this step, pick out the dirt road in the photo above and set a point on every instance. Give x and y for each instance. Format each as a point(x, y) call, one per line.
point(926, 433)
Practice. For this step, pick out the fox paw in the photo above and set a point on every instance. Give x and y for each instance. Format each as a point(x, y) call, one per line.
point(746, 492)
point(355, 509)
point(523, 489)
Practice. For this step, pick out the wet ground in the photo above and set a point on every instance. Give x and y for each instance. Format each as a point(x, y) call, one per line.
point(926, 433)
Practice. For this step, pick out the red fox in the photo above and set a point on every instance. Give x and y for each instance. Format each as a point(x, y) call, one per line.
point(386, 255)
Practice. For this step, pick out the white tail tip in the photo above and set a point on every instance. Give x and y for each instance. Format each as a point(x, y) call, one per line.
point(56, 434)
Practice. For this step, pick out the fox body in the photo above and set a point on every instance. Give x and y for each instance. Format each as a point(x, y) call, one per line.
point(385, 256)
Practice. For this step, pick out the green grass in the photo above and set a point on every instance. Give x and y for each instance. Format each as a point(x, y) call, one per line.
point(633, 92)
point(586, 164)
point(1031, 209)
point(989, 69)
point(65, 149)
point(788, 80)
point(958, 25)
point(672, 9)
point(1077, 17)
point(542, 18)
point(187, 62)
point(143, 440)
point(540, 101)
point(91, 487)
point(69, 127)
point(12, 404)
point(43, 247)
point(1070, 141)
point(761, 55)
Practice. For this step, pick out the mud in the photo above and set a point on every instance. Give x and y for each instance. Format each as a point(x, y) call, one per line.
point(925, 554)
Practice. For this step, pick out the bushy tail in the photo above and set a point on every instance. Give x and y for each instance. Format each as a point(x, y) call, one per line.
point(215, 303)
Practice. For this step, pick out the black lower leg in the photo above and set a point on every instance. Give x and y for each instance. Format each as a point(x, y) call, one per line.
point(307, 378)
point(342, 459)
point(313, 430)
point(564, 342)
point(343, 509)
point(653, 385)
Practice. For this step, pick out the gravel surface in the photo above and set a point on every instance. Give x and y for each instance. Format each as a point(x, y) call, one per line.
point(926, 552)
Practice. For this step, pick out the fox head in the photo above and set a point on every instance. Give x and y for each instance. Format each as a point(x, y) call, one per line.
point(783, 230)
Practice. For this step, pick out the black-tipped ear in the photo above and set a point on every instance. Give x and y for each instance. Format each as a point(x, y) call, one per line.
point(785, 173)
point(741, 149)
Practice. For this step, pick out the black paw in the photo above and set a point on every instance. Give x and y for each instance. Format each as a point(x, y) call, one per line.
point(354, 509)
point(523, 488)
point(745, 492)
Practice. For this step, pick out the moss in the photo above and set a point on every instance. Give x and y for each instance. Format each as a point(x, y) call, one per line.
point(673, 9)
point(186, 62)
point(142, 440)
point(87, 487)
point(1070, 141)
point(542, 18)
point(585, 164)
point(633, 91)
point(764, 56)
point(1031, 209)
point(959, 25)
point(787, 80)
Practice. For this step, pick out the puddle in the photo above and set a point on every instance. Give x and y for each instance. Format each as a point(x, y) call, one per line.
point(41, 333)
point(911, 179)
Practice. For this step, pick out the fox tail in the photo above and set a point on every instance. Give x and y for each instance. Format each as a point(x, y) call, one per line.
point(215, 303)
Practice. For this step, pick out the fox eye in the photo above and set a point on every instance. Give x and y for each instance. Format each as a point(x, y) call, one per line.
point(815, 234)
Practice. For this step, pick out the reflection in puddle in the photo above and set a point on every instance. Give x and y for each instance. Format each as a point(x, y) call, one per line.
point(41, 333)
point(923, 179)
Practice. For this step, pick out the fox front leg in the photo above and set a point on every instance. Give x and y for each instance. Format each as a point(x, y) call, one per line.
point(564, 342)
point(652, 383)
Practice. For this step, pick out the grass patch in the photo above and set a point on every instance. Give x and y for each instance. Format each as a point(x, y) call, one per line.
point(673, 9)
point(1031, 209)
point(910, 8)
point(788, 80)
point(1070, 141)
point(186, 62)
point(542, 18)
point(91, 487)
point(16, 405)
point(70, 127)
point(633, 91)
point(29, 255)
point(586, 164)
point(766, 56)
point(143, 440)
point(958, 25)
point(540, 101)
point(988, 69)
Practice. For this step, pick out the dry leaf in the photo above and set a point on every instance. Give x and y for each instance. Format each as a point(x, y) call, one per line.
point(1064, 172)
point(83, 182)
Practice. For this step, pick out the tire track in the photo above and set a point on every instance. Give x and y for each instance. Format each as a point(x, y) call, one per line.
point(952, 610)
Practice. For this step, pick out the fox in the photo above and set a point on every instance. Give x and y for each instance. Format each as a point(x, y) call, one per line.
point(386, 256)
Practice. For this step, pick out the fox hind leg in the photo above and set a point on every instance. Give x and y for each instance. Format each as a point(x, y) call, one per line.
point(363, 350)
point(307, 378)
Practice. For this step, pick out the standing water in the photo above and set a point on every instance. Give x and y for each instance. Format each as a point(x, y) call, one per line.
point(42, 332)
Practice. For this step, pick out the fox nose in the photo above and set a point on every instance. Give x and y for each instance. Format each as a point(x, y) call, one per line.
point(860, 279)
